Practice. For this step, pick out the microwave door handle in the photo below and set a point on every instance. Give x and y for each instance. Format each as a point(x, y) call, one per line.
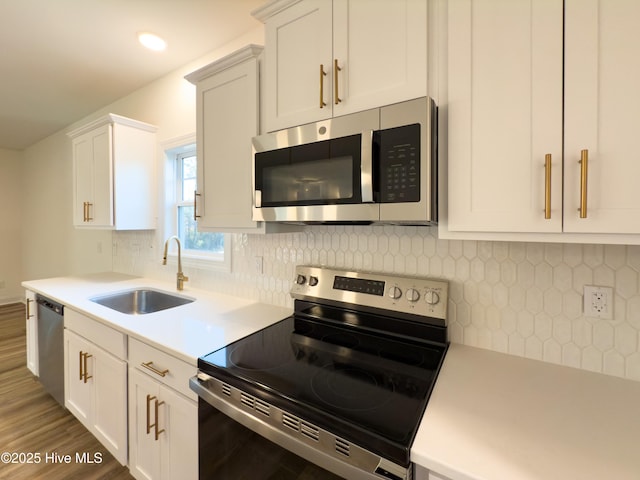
point(257, 199)
point(366, 166)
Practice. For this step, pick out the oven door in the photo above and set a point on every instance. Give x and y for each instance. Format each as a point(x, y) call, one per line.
point(235, 444)
point(321, 172)
point(230, 451)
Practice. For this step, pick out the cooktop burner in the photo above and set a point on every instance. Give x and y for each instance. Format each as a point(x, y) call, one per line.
point(350, 388)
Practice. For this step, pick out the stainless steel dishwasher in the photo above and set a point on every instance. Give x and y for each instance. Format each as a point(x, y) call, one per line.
point(51, 347)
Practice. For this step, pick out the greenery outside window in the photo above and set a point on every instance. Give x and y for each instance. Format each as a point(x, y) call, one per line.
point(206, 250)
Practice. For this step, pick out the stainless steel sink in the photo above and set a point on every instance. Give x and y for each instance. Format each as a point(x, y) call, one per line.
point(140, 301)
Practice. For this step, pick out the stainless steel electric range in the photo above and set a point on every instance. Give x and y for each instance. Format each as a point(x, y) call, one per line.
point(336, 390)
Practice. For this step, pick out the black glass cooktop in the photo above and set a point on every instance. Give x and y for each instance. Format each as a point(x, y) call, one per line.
point(363, 385)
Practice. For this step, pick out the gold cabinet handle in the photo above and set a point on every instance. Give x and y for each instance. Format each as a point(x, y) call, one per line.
point(29, 314)
point(336, 69)
point(149, 425)
point(322, 75)
point(547, 186)
point(82, 362)
point(149, 366)
point(86, 377)
point(87, 213)
point(195, 206)
point(584, 170)
point(84, 211)
point(153, 425)
point(157, 432)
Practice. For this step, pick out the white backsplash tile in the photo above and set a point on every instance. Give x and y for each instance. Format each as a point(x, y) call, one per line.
point(520, 298)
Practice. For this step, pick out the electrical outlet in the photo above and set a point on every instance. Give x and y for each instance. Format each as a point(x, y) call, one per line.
point(598, 302)
point(2, 284)
point(257, 265)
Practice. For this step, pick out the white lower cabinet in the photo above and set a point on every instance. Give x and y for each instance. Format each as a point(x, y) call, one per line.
point(163, 420)
point(32, 332)
point(96, 391)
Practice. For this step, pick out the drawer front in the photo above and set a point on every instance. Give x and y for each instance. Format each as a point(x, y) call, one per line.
point(161, 366)
point(109, 339)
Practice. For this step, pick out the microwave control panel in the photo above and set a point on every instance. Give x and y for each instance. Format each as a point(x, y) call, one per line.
point(399, 164)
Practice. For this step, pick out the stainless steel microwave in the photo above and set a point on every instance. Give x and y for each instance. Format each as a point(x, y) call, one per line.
point(376, 166)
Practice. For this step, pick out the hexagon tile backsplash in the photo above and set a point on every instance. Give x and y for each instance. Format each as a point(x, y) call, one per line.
point(519, 298)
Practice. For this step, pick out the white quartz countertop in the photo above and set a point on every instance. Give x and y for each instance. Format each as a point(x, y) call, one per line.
point(493, 416)
point(187, 332)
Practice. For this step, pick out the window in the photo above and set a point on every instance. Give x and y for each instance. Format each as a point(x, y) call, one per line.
point(199, 249)
point(193, 242)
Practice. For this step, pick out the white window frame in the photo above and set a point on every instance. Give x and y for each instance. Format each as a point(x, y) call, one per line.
point(169, 202)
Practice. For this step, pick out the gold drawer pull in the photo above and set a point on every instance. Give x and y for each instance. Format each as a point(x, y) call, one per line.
point(149, 366)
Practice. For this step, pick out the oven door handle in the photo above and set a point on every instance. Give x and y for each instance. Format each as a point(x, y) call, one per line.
point(270, 427)
point(366, 166)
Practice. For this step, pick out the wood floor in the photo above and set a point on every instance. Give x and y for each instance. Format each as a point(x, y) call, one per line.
point(33, 425)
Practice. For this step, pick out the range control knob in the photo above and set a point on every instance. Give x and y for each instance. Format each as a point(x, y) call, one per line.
point(301, 279)
point(413, 295)
point(313, 281)
point(395, 293)
point(431, 297)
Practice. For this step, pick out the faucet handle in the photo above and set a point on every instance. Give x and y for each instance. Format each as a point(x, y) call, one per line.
point(181, 278)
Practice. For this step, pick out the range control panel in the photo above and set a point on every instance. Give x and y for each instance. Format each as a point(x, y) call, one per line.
point(414, 295)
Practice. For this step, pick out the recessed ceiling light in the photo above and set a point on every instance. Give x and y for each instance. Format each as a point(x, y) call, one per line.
point(151, 41)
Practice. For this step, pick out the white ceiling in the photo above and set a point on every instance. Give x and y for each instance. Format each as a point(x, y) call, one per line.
point(64, 59)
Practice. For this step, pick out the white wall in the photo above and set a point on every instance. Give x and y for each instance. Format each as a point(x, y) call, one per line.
point(11, 217)
point(51, 245)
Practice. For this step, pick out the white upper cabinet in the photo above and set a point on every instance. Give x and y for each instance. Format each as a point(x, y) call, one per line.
point(328, 58)
point(227, 117)
point(505, 114)
point(602, 101)
point(114, 174)
point(505, 105)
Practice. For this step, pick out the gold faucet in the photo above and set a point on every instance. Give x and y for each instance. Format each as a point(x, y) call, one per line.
point(181, 277)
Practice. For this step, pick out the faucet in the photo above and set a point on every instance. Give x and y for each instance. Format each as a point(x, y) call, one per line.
point(181, 278)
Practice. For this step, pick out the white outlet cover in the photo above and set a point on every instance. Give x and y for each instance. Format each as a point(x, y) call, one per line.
point(598, 302)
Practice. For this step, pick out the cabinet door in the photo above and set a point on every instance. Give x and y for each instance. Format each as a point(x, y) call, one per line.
point(174, 454)
point(602, 101)
point(93, 197)
point(31, 314)
point(504, 114)
point(298, 42)
point(227, 119)
point(78, 393)
point(144, 450)
point(381, 51)
point(110, 402)
point(179, 442)
point(96, 392)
